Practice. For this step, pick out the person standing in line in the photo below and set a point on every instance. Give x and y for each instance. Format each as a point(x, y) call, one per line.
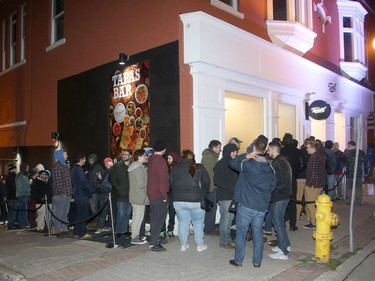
point(82, 194)
point(280, 199)
point(225, 179)
point(11, 196)
point(157, 192)
point(339, 170)
point(105, 189)
point(138, 193)
point(371, 158)
point(301, 179)
point(39, 190)
point(293, 155)
point(62, 191)
point(209, 159)
point(189, 182)
point(253, 190)
point(96, 200)
point(316, 176)
point(172, 159)
point(362, 171)
point(330, 167)
point(3, 194)
point(235, 141)
point(119, 177)
point(23, 194)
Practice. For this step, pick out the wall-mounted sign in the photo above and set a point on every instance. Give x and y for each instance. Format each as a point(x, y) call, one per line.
point(319, 110)
point(129, 108)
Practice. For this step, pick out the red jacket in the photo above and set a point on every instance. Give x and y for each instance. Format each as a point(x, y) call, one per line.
point(157, 180)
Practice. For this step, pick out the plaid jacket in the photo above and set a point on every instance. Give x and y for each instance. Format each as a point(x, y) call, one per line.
point(61, 183)
point(316, 170)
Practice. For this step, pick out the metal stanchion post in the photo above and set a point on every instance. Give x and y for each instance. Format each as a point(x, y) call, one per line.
point(46, 216)
point(111, 245)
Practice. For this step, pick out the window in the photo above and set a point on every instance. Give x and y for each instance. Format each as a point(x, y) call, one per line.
point(23, 31)
point(57, 30)
point(352, 39)
point(290, 10)
point(230, 6)
point(289, 24)
point(13, 38)
point(3, 47)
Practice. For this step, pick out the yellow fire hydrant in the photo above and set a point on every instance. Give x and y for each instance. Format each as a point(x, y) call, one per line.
point(324, 220)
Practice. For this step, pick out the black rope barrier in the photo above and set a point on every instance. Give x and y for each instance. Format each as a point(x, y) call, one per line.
point(77, 222)
point(25, 210)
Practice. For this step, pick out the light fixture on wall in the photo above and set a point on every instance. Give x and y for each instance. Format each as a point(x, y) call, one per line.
point(123, 58)
point(54, 135)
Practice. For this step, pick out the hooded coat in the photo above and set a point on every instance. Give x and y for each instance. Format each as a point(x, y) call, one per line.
point(225, 178)
point(138, 184)
point(209, 160)
point(255, 183)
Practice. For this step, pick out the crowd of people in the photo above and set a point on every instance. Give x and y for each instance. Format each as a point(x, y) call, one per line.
point(268, 185)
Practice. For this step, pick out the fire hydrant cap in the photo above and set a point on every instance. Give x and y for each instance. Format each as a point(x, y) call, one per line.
point(324, 198)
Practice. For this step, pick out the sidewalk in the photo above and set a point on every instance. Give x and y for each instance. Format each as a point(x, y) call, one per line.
point(27, 255)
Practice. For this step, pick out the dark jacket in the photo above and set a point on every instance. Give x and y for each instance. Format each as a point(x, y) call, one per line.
point(294, 157)
point(305, 157)
point(39, 189)
point(185, 187)
point(225, 178)
point(119, 178)
point(283, 171)
point(363, 165)
point(92, 172)
point(255, 183)
point(209, 160)
point(11, 186)
point(81, 186)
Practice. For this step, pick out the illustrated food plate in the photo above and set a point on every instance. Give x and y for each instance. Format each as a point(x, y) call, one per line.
point(141, 93)
point(119, 112)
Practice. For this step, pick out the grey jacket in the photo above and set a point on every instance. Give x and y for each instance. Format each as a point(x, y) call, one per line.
point(138, 184)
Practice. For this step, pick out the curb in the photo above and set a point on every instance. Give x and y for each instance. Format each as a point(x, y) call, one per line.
point(8, 275)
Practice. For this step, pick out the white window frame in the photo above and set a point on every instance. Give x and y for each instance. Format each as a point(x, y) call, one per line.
point(3, 45)
point(357, 68)
point(23, 31)
point(303, 13)
point(54, 41)
point(231, 9)
point(12, 40)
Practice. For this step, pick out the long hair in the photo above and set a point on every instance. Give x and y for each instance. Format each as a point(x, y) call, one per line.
point(188, 154)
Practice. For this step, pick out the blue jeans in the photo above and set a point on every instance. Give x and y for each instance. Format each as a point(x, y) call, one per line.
point(22, 211)
point(82, 214)
point(105, 212)
point(60, 208)
point(268, 221)
point(331, 184)
point(277, 211)
point(244, 218)
point(122, 218)
point(189, 212)
point(339, 182)
point(226, 219)
point(210, 217)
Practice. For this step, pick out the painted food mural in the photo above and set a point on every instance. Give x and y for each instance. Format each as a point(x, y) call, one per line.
point(130, 108)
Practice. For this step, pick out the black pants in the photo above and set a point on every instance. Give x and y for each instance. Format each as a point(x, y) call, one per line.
point(158, 210)
point(292, 209)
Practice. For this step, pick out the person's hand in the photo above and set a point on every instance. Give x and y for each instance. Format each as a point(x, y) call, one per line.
point(99, 175)
point(164, 200)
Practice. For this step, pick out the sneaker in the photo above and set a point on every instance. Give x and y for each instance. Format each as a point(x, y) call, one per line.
point(137, 241)
point(227, 246)
point(309, 226)
point(163, 240)
point(184, 247)
point(142, 237)
point(277, 249)
point(157, 248)
point(202, 248)
point(100, 230)
point(170, 234)
point(86, 236)
point(106, 229)
point(278, 256)
point(265, 232)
